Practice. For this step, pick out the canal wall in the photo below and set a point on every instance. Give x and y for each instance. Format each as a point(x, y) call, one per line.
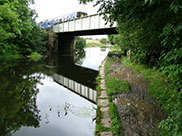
point(103, 118)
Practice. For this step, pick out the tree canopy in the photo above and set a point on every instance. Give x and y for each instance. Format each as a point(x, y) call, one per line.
point(19, 34)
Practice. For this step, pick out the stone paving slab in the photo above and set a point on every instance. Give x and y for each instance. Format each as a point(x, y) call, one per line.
point(102, 86)
point(103, 102)
point(102, 76)
point(106, 122)
point(102, 73)
point(105, 112)
point(102, 81)
point(106, 134)
point(103, 95)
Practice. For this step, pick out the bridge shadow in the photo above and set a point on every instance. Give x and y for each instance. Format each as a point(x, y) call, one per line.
point(78, 79)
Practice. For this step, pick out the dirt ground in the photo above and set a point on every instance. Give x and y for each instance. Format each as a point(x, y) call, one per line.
point(138, 112)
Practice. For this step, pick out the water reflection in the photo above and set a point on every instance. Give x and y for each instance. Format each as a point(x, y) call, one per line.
point(32, 103)
point(94, 57)
point(18, 96)
point(62, 112)
point(89, 93)
point(79, 74)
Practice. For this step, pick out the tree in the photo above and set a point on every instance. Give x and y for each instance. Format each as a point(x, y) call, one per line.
point(152, 30)
point(79, 50)
point(18, 28)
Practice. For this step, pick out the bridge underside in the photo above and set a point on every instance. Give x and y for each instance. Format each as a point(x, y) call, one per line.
point(103, 31)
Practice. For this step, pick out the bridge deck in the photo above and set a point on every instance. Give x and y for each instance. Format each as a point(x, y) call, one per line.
point(92, 22)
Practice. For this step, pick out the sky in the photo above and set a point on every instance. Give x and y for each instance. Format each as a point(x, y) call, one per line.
point(48, 9)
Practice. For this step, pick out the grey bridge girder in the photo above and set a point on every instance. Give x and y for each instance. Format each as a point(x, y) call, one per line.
point(89, 25)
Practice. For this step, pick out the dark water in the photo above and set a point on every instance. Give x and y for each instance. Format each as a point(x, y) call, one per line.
point(44, 98)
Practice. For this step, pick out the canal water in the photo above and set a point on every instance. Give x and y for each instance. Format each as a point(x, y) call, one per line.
point(52, 97)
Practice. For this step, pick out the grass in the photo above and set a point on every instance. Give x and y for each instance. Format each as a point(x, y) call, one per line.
point(99, 127)
point(108, 63)
point(96, 45)
point(114, 86)
point(98, 88)
point(165, 95)
point(115, 121)
point(157, 86)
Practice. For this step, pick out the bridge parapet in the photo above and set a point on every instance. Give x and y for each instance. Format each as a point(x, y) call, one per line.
point(92, 22)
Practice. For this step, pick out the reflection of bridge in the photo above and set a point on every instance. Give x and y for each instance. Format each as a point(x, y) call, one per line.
point(78, 88)
point(82, 75)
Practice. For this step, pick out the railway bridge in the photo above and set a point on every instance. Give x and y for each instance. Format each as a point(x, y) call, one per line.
point(88, 25)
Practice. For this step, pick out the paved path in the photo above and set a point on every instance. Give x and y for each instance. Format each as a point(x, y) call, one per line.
point(103, 103)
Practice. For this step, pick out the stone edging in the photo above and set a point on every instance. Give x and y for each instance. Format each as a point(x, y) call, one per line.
point(103, 103)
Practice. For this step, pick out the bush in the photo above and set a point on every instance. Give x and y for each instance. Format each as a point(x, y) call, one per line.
point(103, 41)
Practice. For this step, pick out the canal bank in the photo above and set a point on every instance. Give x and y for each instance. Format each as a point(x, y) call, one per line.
point(103, 120)
point(131, 109)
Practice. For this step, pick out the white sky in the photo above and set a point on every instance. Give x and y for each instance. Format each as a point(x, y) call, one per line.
point(48, 9)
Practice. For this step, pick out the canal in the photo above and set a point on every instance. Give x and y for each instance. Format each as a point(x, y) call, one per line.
point(50, 96)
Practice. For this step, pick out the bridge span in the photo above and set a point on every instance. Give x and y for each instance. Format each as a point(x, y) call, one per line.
point(88, 25)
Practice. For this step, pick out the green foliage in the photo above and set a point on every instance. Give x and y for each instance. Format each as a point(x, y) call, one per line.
point(110, 38)
point(108, 64)
point(116, 50)
point(35, 56)
point(80, 43)
point(152, 40)
point(19, 34)
point(99, 127)
point(116, 86)
point(98, 115)
point(152, 30)
point(93, 45)
point(115, 121)
point(112, 52)
point(103, 41)
point(79, 50)
point(165, 95)
point(98, 88)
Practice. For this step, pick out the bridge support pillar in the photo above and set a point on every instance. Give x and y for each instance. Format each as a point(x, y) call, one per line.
point(66, 45)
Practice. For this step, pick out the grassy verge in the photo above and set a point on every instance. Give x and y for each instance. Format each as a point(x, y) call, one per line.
point(99, 127)
point(164, 94)
point(95, 45)
point(114, 86)
point(98, 88)
point(115, 121)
